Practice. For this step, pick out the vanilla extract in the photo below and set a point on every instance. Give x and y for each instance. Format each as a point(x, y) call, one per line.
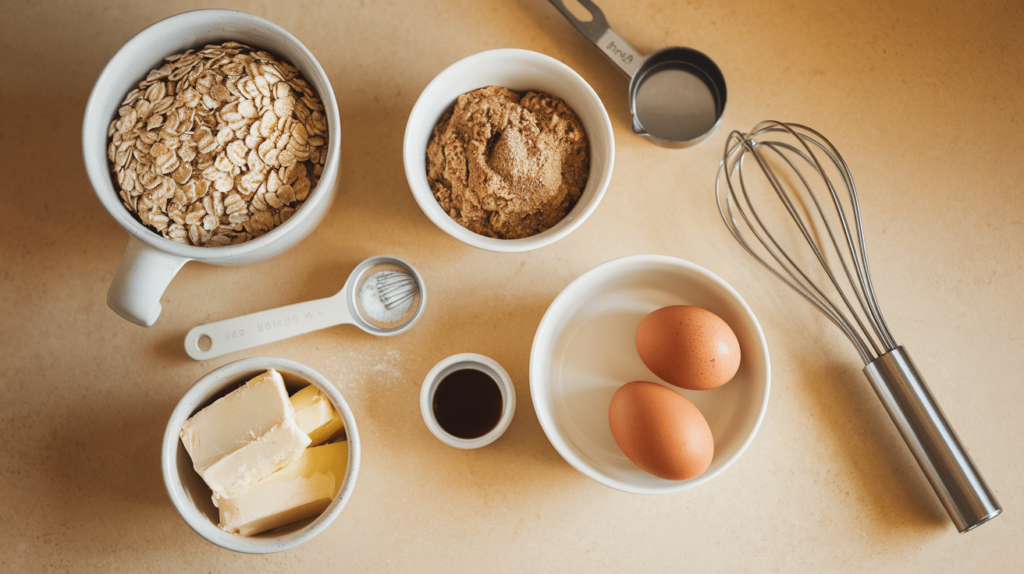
point(468, 403)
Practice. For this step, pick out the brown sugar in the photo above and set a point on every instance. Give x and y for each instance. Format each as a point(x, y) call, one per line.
point(507, 164)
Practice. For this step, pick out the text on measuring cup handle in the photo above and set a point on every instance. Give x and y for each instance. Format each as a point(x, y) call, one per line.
point(619, 51)
point(625, 57)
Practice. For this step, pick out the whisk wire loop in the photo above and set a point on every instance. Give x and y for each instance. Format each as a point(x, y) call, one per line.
point(778, 160)
point(812, 160)
point(802, 283)
point(868, 300)
point(395, 288)
point(788, 272)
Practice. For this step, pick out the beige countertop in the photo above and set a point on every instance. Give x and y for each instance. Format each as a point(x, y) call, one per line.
point(924, 99)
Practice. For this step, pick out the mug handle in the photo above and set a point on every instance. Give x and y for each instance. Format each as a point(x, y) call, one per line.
point(140, 281)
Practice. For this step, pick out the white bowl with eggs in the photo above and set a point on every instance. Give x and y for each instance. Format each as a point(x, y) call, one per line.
point(585, 350)
point(192, 497)
point(518, 70)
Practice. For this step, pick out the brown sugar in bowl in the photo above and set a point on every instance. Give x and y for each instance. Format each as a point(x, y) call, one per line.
point(508, 164)
point(521, 71)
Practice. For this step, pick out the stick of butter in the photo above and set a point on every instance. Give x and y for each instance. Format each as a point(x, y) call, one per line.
point(302, 489)
point(315, 415)
point(244, 436)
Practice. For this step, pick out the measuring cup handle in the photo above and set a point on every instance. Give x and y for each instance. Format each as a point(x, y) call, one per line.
point(264, 327)
point(140, 281)
point(601, 35)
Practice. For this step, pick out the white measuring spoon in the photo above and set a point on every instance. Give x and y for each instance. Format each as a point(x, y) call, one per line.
point(240, 333)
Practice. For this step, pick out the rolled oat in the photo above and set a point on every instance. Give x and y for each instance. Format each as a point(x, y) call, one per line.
point(218, 146)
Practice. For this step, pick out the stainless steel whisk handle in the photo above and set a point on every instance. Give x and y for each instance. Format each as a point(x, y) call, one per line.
point(936, 447)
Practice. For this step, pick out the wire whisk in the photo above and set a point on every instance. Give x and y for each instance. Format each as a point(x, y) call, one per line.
point(785, 152)
point(823, 257)
point(395, 288)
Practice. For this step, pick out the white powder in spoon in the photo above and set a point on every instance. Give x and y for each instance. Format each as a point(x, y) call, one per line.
point(372, 301)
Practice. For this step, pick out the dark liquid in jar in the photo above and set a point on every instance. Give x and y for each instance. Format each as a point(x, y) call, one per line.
point(467, 403)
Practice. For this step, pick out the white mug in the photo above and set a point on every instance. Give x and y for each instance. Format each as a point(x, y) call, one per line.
point(151, 260)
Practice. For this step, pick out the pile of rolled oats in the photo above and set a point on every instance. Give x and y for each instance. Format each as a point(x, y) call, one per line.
point(218, 146)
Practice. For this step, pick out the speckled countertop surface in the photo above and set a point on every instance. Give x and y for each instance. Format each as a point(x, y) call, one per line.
point(924, 99)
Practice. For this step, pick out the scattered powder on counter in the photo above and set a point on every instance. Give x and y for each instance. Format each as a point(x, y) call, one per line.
point(361, 375)
point(372, 302)
point(506, 164)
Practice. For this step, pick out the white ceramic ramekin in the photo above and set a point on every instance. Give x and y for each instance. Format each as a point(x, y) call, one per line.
point(518, 70)
point(484, 364)
point(191, 496)
point(151, 261)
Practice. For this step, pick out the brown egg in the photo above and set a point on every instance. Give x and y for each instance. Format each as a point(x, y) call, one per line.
point(688, 347)
point(660, 431)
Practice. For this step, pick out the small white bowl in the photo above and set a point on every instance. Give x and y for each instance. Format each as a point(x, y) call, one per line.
point(484, 364)
point(518, 70)
point(584, 350)
point(191, 496)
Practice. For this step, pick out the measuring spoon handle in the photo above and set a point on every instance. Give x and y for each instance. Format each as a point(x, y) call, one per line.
point(264, 327)
point(603, 36)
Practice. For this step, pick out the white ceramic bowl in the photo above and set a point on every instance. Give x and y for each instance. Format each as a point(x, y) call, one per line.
point(191, 496)
point(518, 70)
point(481, 363)
point(584, 350)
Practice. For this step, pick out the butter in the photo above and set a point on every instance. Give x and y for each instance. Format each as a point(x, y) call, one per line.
point(244, 436)
point(302, 489)
point(315, 415)
point(238, 471)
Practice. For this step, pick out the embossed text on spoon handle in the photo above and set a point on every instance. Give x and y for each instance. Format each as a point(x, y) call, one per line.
point(264, 327)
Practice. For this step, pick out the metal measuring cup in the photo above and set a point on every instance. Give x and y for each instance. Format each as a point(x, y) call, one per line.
point(676, 95)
